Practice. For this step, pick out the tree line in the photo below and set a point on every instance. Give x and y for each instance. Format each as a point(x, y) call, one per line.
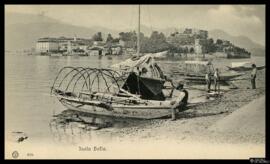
point(157, 42)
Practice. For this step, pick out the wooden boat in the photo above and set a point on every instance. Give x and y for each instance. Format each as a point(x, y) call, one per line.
point(224, 77)
point(107, 92)
point(195, 71)
point(243, 66)
point(133, 108)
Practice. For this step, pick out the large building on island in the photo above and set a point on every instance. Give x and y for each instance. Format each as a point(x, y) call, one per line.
point(195, 41)
point(47, 45)
point(62, 44)
point(76, 46)
point(191, 39)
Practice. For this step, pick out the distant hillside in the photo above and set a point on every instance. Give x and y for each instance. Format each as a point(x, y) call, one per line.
point(17, 18)
point(22, 30)
point(240, 41)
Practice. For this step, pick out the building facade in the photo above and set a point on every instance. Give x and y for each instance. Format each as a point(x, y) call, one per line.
point(193, 39)
point(62, 44)
point(47, 45)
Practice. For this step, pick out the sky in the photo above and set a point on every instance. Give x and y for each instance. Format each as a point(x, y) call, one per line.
point(246, 20)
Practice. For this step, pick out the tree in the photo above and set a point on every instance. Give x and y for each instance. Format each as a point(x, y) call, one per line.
point(211, 41)
point(210, 46)
point(128, 36)
point(115, 40)
point(191, 50)
point(155, 43)
point(219, 42)
point(157, 37)
point(109, 38)
point(98, 37)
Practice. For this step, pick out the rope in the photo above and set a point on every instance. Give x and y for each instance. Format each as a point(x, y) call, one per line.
point(149, 17)
point(132, 15)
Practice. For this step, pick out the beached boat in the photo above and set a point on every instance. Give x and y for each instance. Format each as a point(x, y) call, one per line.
point(195, 71)
point(243, 66)
point(106, 92)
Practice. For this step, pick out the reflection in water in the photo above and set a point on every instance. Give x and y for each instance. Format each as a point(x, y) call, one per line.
point(74, 127)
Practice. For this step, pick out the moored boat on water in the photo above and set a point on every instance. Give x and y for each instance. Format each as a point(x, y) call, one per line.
point(195, 70)
point(243, 66)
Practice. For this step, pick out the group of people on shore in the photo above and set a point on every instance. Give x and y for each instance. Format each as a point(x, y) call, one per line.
point(181, 102)
point(216, 79)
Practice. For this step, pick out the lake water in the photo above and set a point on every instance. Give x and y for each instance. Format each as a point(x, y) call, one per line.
point(28, 104)
point(29, 107)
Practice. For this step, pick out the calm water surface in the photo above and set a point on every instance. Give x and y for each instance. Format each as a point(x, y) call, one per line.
point(28, 104)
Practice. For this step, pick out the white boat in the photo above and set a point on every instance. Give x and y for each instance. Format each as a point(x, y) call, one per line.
point(243, 66)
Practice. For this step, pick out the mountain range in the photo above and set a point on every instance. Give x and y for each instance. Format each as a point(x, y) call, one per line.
point(23, 30)
point(240, 41)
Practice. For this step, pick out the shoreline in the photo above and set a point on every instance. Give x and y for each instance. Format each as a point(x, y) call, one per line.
point(193, 124)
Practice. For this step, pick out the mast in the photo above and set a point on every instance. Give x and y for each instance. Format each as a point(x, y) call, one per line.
point(138, 35)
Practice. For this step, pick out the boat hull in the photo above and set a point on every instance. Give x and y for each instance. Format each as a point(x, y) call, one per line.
point(141, 112)
point(201, 79)
point(244, 68)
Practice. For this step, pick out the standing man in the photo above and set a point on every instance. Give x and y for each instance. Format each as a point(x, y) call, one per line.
point(216, 80)
point(208, 81)
point(253, 76)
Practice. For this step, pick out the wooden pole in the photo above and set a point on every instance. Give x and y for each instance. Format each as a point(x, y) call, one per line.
point(138, 35)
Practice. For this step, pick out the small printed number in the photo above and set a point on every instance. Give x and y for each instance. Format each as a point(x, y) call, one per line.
point(30, 154)
point(15, 154)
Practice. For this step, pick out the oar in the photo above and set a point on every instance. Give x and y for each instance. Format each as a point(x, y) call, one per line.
point(130, 94)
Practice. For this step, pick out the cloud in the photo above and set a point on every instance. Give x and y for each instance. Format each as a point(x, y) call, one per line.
point(235, 14)
point(238, 20)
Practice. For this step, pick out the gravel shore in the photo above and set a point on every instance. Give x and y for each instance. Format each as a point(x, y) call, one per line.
point(193, 124)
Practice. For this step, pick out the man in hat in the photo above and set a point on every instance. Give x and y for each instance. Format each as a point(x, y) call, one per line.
point(179, 102)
